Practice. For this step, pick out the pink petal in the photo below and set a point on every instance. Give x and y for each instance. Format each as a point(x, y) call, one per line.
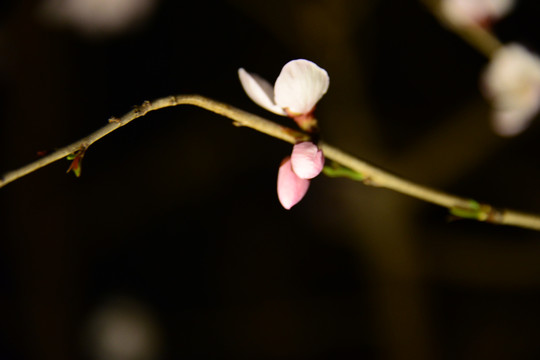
point(300, 85)
point(260, 91)
point(290, 188)
point(307, 160)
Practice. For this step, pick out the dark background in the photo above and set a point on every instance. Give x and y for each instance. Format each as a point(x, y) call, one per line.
point(176, 215)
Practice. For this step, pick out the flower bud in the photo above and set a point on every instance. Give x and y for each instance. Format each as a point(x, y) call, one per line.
point(291, 189)
point(307, 160)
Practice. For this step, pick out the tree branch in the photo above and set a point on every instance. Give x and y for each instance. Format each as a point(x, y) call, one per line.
point(370, 174)
point(478, 37)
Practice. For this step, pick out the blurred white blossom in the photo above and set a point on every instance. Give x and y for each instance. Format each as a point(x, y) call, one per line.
point(475, 12)
point(98, 17)
point(512, 83)
point(123, 329)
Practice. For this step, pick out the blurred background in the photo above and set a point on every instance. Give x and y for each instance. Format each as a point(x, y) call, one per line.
point(172, 244)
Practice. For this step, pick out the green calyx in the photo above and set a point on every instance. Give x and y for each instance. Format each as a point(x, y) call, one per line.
point(475, 211)
point(337, 170)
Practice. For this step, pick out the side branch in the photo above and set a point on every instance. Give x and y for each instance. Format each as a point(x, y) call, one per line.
point(481, 39)
point(371, 174)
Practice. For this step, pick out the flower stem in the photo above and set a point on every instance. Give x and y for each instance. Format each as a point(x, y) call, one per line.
point(370, 174)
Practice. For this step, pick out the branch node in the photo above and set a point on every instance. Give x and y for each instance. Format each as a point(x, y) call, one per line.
point(76, 159)
point(369, 181)
point(237, 123)
point(494, 215)
point(141, 110)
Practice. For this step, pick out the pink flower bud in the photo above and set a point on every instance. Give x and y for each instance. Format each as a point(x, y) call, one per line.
point(307, 160)
point(291, 189)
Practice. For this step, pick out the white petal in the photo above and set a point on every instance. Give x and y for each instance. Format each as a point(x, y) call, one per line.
point(512, 83)
point(511, 122)
point(259, 90)
point(511, 68)
point(300, 85)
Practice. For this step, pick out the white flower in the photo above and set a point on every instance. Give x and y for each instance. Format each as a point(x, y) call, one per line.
point(512, 83)
point(475, 12)
point(298, 88)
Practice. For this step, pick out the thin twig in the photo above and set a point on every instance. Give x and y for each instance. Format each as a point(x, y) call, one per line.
point(371, 174)
point(240, 117)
